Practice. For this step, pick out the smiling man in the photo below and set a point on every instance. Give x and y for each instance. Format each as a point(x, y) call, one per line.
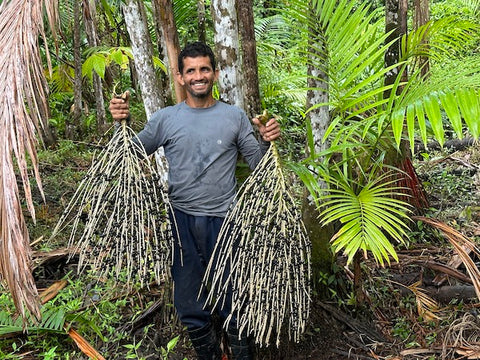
point(202, 138)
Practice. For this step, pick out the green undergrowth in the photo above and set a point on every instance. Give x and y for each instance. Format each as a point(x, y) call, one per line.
point(101, 311)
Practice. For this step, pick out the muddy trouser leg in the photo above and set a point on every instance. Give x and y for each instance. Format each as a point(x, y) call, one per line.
point(197, 235)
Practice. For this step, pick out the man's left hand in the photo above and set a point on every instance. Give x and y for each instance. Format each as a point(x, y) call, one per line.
point(270, 131)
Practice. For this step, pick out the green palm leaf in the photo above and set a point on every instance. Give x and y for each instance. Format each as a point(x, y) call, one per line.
point(371, 217)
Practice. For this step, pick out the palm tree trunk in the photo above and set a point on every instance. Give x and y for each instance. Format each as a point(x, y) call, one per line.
point(249, 56)
point(165, 78)
point(164, 11)
point(407, 178)
point(319, 118)
point(142, 50)
point(89, 17)
point(420, 18)
point(202, 19)
point(73, 128)
point(358, 279)
point(226, 45)
point(393, 53)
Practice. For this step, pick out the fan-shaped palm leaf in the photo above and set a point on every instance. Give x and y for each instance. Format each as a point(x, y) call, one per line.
point(370, 216)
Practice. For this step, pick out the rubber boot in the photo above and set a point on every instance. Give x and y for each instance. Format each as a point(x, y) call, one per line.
point(240, 347)
point(205, 343)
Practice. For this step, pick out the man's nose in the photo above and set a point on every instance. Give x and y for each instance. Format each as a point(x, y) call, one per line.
point(198, 74)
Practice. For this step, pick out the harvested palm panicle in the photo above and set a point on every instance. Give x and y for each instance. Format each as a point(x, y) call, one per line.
point(262, 257)
point(122, 212)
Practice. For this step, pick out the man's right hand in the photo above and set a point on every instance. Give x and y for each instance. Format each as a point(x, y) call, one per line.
point(119, 107)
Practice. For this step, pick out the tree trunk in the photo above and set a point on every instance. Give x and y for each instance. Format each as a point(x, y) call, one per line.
point(420, 18)
point(202, 19)
point(319, 118)
point(142, 50)
point(226, 45)
point(89, 16)
point(249, 56)
point(165, 77)
point(164, 8)
point(71, 128)
point(396, 12)
point(392, 24)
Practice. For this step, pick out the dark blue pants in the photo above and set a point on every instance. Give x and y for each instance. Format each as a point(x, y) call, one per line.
point(197, 235)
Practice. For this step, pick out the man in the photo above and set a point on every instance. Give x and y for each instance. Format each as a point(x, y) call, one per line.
point(201, 138)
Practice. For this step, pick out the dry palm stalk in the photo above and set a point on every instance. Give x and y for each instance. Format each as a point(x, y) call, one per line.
point(263, 255)
point(83, 344)
point(462, 245)
point(22, 105)
point(122, 211)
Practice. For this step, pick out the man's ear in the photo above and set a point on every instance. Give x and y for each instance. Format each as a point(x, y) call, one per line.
point(180, 78)
point(217, 73)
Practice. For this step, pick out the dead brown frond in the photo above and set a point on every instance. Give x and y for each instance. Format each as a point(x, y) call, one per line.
point(463, 338)
point(263, 253)
point(462, 245)
point(23, 100)
point(52, 291)
point(121, 212)
point(426, 306)
point(84, 345)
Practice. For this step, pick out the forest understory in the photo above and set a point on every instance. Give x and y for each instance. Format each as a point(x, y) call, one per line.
point(422, 307)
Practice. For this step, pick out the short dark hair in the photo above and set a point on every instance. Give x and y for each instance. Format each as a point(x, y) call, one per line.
point(195, 49)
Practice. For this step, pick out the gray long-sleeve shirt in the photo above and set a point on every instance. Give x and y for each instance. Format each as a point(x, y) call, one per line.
point(201, 146)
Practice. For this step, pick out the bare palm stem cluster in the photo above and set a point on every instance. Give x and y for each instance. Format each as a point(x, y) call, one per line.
point(262, 257)
point(122, 212)
point(23, 107)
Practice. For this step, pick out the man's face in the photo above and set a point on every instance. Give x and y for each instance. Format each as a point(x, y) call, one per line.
point(198, 76)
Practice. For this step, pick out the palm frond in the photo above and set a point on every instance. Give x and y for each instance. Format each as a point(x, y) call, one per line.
point(459, 242)
point(423, 104)
point(353, 48)
point(369, 214)
point(22, 100)
point(426, 306)
point(184, 11)
point(53, 320)
point(61, 79)
point(438, 39)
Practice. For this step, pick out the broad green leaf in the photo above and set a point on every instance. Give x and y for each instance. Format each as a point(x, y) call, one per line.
point(118, 57)
point(99, 65)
